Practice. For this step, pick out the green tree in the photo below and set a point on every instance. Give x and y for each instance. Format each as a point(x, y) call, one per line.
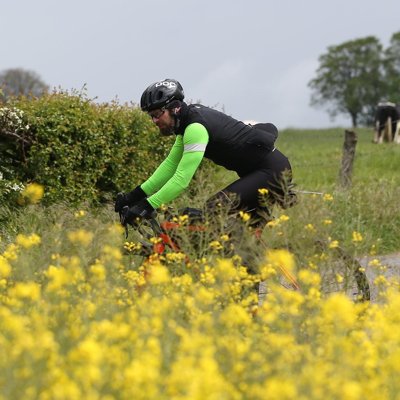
point(392, 68)
point(20, 82)
point(349, 79)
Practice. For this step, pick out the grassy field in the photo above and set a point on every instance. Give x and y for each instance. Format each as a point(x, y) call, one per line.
point(316, 157)
point(372, 204)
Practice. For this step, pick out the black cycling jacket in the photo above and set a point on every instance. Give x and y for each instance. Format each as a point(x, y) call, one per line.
point(232, 143)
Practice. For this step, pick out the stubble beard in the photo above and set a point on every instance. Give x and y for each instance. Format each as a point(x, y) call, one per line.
point(167, 130)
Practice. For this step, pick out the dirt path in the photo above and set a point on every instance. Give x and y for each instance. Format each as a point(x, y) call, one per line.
point(390, 261)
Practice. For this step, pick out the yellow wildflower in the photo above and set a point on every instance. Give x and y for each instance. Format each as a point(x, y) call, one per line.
point(310, 227)
point(273, 223)
point(357, 237)
point(159, 275)
point(80, 214)
point(327, 197)
point(225, 237)
point(309, 278)
point(175, 257)
point(339, 278)
point(375, 263)
point(10, 252)
point(281, 258)
point(244, 215)
point(58, 277)
point(263, 191)
point(26, 290)
point(28, 241)
point(333, 244)
point(183, 218)
point(32, 194)
point(5, 268)
point(235, 315)
point(215, 245)
point(98, 271)
point(81, 236)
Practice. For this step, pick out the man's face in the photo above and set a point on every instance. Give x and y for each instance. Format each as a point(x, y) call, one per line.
point(164, 120)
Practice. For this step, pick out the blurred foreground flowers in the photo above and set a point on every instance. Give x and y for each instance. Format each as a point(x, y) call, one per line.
point(32, 194)
point(109, 327)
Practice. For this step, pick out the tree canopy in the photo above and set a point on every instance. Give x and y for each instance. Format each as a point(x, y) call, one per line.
point(17, 82)
point(392, 68)
point(349, 79)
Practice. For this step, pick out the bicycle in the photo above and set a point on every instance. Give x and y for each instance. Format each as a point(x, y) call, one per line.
point(158, 237)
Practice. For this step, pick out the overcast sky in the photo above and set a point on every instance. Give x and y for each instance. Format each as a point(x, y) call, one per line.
point(252, 58)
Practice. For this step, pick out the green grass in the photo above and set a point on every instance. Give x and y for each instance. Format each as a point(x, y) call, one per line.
point(316, 157)
point(371, 205)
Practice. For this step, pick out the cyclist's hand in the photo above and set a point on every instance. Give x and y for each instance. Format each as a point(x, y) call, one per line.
point(130, 215)
point(128, 199)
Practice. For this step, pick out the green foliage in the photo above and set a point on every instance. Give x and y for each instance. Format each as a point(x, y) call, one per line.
point(349, 79)
point(392, 68)
point(80, 150)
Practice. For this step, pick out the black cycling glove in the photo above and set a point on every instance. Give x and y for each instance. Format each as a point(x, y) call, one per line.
point(129, 199)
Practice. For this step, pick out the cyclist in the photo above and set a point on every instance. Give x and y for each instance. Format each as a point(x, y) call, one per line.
point(204, 132)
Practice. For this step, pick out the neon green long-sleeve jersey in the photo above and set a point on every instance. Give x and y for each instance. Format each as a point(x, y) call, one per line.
point(174, 174)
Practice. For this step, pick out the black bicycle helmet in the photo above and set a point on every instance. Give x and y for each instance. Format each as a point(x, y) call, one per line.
point(160, 94)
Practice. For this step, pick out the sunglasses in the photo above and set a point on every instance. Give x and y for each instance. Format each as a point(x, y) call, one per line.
point(156, 114)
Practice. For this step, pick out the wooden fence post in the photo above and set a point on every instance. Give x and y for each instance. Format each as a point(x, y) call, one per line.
point(349, 150)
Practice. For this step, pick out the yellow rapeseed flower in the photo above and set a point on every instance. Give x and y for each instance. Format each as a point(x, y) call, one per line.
point(375, 263)
point(11, 252)
point(32, 193)
point(327, 197)
point(159, 274)
point(333, 244)
point(281, 258)
point(357, 237)
point(339, 278)
point(28, 241)
point(58, 277)
point(372, 251)
point(26, 290)
point(244, 215)
point(80, 214)
point(183, 219)
point(175, 257)
point(263, 191)
point(273, 223)
point(81, 236)
point(5, 267)
point(225, 270)
point(235, 315)
point(309, 278)
point(98, 271)
point(338, 310)
point(215, 245)
point(310, 228)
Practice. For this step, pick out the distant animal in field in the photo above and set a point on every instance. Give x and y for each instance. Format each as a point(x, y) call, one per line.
point(387, 123)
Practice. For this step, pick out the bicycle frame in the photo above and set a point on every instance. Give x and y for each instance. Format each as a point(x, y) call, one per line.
point(161, 230)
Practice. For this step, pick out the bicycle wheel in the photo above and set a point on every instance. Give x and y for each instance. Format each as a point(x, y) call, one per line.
point(345, 274)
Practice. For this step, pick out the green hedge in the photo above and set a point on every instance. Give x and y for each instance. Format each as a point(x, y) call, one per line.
point(78, 149)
